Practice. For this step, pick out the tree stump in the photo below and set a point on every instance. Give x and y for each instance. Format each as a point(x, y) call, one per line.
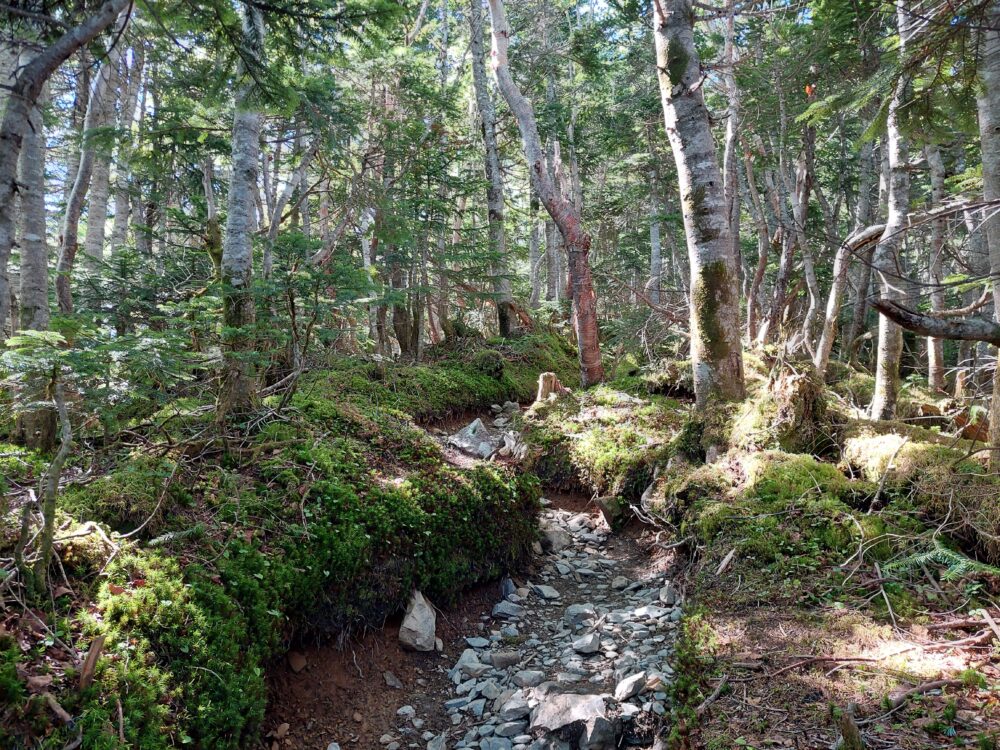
point(548, 384)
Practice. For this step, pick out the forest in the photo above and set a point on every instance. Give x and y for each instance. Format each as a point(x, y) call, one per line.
point(499, 374)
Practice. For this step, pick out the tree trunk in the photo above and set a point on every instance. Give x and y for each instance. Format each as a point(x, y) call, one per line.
point(886, 257)
point(935, 273)
point(24, 94)
point(563, 212)
point(499, 271)
point(716, 350)
point(534, 250)
point(988, 102)
point(100, 180)
point(119, 229)
point(34, 247)
point(238, 392)
point(100, 93)
point(655, 245)
point(730, 167)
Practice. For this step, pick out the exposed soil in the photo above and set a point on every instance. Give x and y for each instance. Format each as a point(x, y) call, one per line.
point(341, 695)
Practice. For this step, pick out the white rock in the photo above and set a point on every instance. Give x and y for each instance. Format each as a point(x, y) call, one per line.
point(630, 686)
point(419, 623)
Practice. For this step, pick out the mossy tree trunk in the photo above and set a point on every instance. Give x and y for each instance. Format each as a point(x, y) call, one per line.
point(716, 350)
point(564, 213)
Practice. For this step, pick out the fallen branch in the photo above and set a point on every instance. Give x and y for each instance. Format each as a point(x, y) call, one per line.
point(922, 688)
point(703, 707)
point(817, 659)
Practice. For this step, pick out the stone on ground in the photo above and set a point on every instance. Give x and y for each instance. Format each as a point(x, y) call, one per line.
point(417, 632)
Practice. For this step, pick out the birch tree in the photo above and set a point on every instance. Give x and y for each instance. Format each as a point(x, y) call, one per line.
point(716, 350)
point(494, 178)
point(238, 392)
point(885, 259)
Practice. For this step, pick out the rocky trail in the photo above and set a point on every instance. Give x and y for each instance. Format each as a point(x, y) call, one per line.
point(576, 656)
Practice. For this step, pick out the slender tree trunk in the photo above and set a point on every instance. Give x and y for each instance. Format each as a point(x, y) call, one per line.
point(886, 257)
point(716, 350)
point(730, 171)
point(122, 203)
point(935, 272)
point(763, 250)
point(100, 93)
point(24, 94)
point(499, 271)
point(534, 250)
point(563, 212)
point(34, 247)
point(988, 102)
point(653, 285)
point(238, 392)
point(100, 181)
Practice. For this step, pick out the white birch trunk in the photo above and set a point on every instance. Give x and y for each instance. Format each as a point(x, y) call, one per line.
point(935, 273)
point(886, 257)
point(499, 271)
point(988, 104)
point(238, 387)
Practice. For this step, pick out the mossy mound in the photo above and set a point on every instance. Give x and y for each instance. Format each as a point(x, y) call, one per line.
point(604, 440)
point(789, 412)
point(316, 523)
point(938, 475)
point(451, 381)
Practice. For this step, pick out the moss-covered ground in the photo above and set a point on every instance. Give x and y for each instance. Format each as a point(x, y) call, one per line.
point(198, 557)
point(819, 550)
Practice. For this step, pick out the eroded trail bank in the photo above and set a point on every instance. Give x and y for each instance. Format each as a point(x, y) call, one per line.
point(575, 655)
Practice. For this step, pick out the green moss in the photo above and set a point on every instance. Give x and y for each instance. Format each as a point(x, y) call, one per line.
point(712, 291)
point(127, 497)
point(320, 523)
point(602, 440)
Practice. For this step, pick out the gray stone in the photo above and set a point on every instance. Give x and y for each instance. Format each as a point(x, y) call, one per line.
point(495, 743)
point(563, 709)
point(529, 678)
point(554, 537)
point(417, 630)
point(546, 592)
point(598, 734)
point(578, 614)
point(511, 728)
point(509, 609)
point(477, 642)
point(333, 746)
point(668, 595)
point(407, 712)
point(515, 708)
point(392, 681)
point(619, 583)
point(475, 438)
point(587, 644)
point(438, 743)
point(468, 663)
point(504, 659)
